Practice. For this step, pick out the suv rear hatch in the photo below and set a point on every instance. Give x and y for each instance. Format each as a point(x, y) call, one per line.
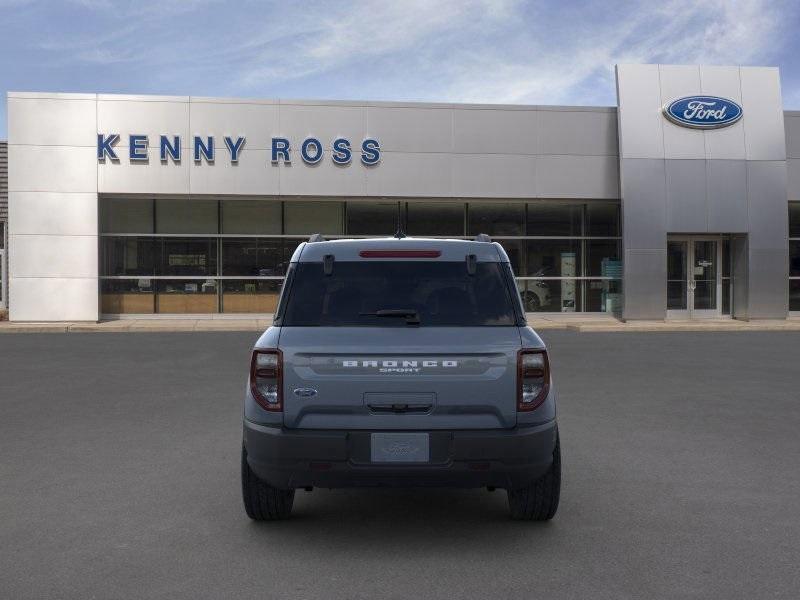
point(399, 344)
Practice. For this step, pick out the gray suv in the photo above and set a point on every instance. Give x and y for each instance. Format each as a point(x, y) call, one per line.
point(400, 362)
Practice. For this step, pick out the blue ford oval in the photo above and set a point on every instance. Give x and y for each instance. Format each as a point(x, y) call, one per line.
point(703, 112)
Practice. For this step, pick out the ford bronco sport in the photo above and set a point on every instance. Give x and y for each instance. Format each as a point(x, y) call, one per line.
point(400, 362)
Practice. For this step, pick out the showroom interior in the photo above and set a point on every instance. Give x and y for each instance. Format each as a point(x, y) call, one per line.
point(208, 255)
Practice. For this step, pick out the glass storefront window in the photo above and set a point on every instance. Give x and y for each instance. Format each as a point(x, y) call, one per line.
point(603, 295)
point(214, 238)
point(553, 258)
point(254, 256)
point(514, 250)
point(794, 258)
point(187, 216)
point(250, 295)
point(290, 245)
point(546, 219)
point(726, 296)
point(127, 296)
point(496, 218)
point(535, 295)
point(301, 217)
point(129, 255)
point(603, 257)
point(186, 296)
point(188, 256)
point(794, 219)
point(240, 257)
point(435, 218)
point(726, 276)
point(602, 219)
point(794, 294)
point(552, 295)
point(372, 218)
point(126, 215)
point(256, 217)
point(726, 258)
point(676, 275)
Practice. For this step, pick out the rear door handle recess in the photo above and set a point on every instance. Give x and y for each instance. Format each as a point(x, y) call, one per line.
point(400, 402)
point(400, 408)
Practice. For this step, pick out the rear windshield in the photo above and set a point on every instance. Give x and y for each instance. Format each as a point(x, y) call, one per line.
point(398, 293)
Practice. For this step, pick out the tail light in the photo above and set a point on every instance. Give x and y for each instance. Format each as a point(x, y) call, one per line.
point(266, 379)
point(533, 378)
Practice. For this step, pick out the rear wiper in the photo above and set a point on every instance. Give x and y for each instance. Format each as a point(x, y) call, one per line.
point(411, 315)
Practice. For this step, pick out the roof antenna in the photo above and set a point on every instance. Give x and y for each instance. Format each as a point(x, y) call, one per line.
point(399, 234)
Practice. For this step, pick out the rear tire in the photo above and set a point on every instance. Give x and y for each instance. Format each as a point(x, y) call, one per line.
point(538, 501)
point(262, 502)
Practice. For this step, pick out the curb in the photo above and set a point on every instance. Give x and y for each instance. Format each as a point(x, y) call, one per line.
point(43, 328)
point(688, 327)
point(131, 327)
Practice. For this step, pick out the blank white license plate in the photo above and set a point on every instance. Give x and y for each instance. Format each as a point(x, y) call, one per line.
point(400, 447)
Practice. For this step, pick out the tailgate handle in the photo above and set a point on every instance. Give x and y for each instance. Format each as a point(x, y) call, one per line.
point(400, 402)
point(398, 408)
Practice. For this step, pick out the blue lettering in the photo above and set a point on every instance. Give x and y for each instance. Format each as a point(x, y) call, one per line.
point(207, 149)
point(234, 147)
point(105, 146)
point(137, 147)
point(309, 158)
point(280, 149)
point(370, 151)
point(173, 150)
point(341, 151)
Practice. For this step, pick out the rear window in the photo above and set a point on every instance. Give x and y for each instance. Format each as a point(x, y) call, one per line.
point(360, 294)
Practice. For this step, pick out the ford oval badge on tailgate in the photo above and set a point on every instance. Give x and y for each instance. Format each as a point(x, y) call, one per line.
point(703, 112)
point(305, 392)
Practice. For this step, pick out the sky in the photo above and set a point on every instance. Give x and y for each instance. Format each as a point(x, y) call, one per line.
point(495, 51)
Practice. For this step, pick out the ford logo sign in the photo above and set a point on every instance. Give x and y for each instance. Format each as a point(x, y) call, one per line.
point(703, 112)
point(305, 392)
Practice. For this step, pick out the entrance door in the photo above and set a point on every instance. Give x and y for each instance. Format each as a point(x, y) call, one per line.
point(694, 285)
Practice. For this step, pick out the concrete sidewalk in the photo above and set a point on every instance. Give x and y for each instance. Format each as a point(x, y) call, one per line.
point(574, 322)
point(606, 324)
point(161, 325)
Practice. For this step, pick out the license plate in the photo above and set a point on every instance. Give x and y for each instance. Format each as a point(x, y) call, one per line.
point(400, 447)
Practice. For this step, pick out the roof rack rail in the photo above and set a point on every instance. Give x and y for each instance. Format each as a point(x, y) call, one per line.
point(317, 237)
point(482, 237)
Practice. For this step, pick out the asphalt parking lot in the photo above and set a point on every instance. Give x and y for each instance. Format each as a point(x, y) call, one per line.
point(119, 478)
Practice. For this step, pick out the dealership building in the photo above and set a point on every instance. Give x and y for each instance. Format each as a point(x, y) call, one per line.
point(683, 201)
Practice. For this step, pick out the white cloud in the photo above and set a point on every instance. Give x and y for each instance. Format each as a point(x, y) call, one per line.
point(513, 52)
point(681, 31)
point(325, 40)
point(504, 51)
point(714, 31)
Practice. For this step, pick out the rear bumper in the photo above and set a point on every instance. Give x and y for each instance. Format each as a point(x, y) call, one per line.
point(296, 458)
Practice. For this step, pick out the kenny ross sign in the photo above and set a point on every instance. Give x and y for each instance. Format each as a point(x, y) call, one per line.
point(204, 148)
